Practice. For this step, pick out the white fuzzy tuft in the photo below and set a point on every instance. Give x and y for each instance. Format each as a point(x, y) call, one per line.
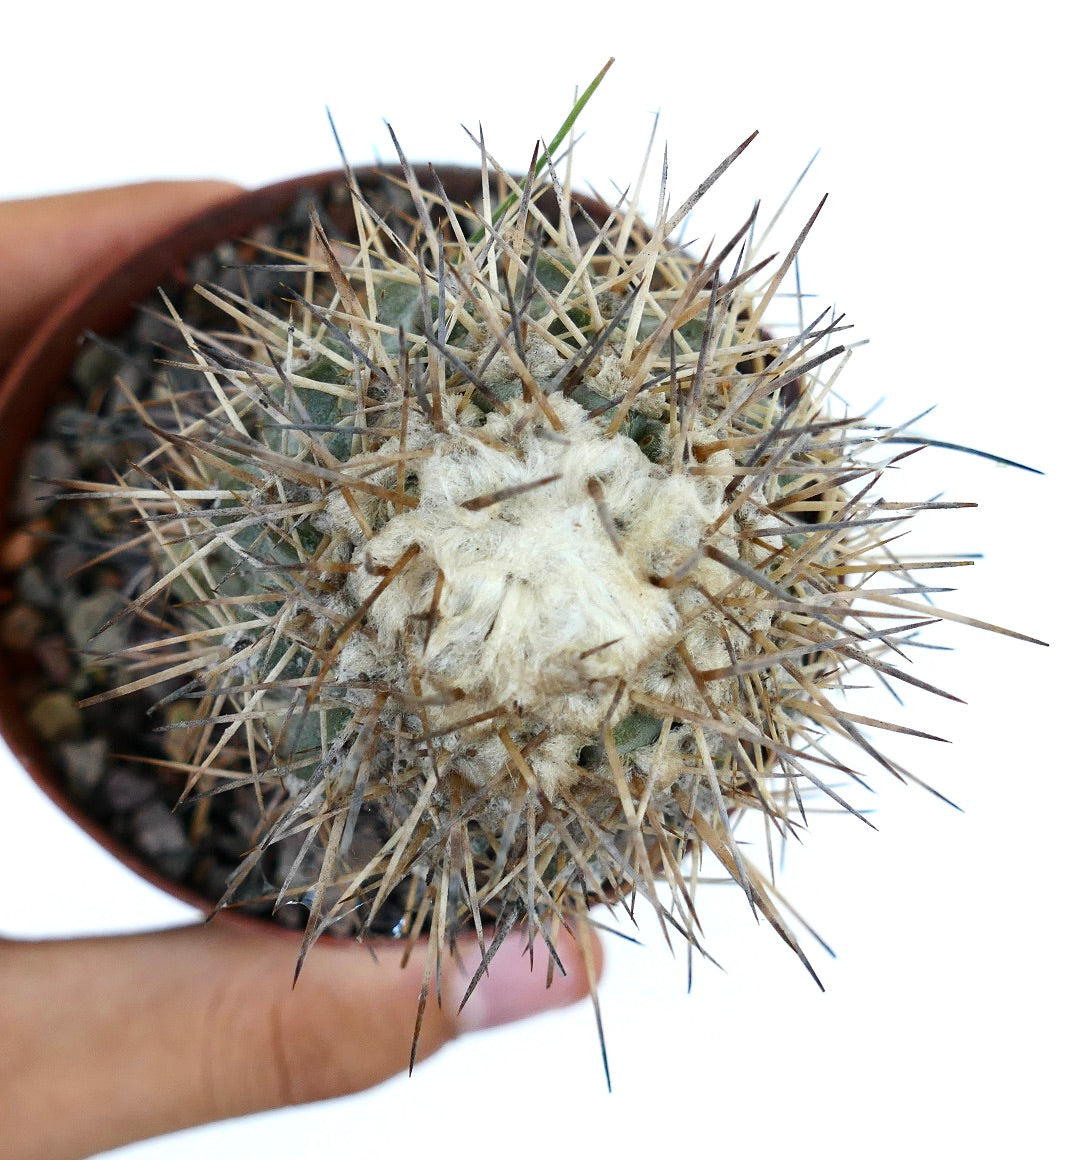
point(539, 611)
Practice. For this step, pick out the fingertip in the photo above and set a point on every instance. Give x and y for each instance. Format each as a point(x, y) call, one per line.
point(524, 980)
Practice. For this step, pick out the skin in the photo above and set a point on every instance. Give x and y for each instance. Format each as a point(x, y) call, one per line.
point(111, 1040)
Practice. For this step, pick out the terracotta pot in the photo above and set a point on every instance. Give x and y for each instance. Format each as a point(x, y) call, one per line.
point(103, 305)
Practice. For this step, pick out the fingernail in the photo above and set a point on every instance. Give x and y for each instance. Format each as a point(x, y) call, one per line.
point(511, 988)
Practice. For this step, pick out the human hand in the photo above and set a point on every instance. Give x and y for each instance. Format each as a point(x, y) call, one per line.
point(111, 1040)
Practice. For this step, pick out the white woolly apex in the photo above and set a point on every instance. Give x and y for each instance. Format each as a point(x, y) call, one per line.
point(548, 601)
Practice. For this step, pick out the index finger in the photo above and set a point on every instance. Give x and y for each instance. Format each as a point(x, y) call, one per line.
point(49, 244)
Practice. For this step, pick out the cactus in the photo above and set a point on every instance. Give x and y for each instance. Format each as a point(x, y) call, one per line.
point(513, 561)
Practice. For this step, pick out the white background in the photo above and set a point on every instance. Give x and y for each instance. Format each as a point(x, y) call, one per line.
point(941, 1027)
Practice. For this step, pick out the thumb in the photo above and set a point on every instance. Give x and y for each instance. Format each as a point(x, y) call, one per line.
point(113, 1040)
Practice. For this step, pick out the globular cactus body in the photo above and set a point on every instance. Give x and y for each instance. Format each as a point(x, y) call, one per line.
point(513, 561)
